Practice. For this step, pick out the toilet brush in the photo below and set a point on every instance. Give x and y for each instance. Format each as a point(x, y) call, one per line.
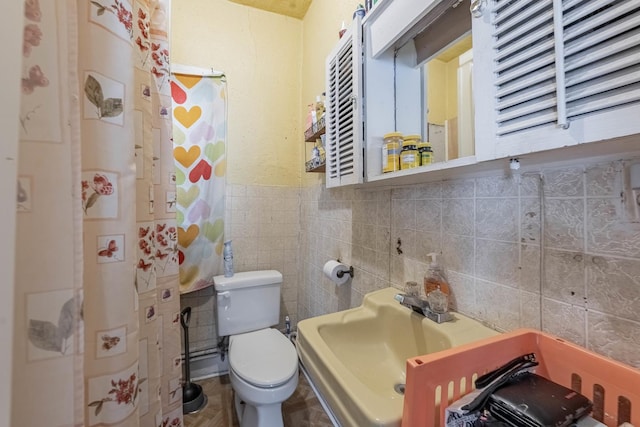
point(193, 399)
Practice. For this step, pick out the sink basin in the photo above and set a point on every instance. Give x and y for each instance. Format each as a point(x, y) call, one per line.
point(357, 358)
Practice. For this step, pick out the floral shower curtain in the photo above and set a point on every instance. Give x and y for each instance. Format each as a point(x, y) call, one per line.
point(97, 296)
point(199, 138)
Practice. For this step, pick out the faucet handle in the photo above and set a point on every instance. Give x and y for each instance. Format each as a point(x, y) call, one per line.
point(438, 301)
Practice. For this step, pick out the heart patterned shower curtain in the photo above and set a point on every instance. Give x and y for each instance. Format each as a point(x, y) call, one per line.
point(199, 137)
point(97, 297)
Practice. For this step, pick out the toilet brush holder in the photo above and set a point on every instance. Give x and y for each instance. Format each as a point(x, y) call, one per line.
point(193, 398)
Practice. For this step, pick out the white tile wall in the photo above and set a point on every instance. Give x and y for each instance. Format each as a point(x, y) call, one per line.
point(583, 286)
point(490, 231)
point(264, 224)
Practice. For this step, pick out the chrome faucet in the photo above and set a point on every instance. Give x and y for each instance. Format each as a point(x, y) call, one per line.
point(423, 308)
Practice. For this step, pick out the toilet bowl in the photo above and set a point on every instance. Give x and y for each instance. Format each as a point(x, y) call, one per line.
point(263, 363)
point(263, 368)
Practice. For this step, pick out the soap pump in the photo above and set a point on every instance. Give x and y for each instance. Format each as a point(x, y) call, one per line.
point(434, 279)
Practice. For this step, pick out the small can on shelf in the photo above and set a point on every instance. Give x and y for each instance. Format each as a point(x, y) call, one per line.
point(409, 156)
point(426, 153)
point(391, 147)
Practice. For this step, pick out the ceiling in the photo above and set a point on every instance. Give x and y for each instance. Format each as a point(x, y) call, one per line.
point(293, 8)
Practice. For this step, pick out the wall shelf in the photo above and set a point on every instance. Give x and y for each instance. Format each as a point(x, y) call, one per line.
point(314, 132)
point(311, 166)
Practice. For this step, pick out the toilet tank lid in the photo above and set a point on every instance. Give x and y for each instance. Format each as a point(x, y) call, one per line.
point(247, 279)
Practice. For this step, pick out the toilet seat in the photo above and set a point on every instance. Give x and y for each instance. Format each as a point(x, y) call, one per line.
point(264, 358)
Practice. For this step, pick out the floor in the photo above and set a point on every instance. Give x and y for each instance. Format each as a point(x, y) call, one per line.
point(302, 409)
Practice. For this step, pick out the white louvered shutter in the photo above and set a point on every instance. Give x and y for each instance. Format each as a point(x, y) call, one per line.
point(602, 55)
point(343, 117)
point(561, 72)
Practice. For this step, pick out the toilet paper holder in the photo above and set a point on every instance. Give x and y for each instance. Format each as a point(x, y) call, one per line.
point(341, 273)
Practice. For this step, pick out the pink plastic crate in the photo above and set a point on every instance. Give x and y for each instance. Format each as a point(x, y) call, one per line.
point(613, 387)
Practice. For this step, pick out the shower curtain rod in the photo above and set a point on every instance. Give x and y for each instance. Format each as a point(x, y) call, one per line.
point(195, 71)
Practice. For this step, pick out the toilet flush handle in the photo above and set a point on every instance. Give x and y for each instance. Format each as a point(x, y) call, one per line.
point(224, 295)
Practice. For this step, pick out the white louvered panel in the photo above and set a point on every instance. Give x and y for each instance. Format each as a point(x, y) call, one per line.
point(602, 55)
point(344, 87)
point(604, 84)
point(523, 27)
point(601, 68)
point(538, 49)
point(346, 158)
point(510, 16)
point(527, 122)
point(331, 119)
point(345, 64)
point(343, 137)
point(332, 142)
point(575, 10)
point(525, 65)
point(533, 71)
point(568, 4)
point(522, 45)
point(600, 51)
point(345, 113)
point(528, 108)
point(516, 9)
point(344, 102)
point(524, 87)
point(589, 15)
point(601, 102)
point(539, 90)
point(625, 24)
point(345, 124)
point(589, 92)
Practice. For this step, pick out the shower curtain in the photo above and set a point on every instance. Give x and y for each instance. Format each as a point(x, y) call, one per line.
point(97, 331)
point(199, 138)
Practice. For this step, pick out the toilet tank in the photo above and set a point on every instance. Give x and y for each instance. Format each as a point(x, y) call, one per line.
point(247, 301)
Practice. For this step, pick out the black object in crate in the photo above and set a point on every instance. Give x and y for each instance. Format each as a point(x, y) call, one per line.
point(534, 401)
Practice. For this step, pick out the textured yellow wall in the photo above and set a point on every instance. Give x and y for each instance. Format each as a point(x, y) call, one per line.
point(442, 90)
point(320, 34)
point(452, 88)
point(274, 67)
point(437, 91)
point(261, 54)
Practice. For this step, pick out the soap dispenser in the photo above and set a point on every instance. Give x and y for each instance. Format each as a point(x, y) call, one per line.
point(434, 279)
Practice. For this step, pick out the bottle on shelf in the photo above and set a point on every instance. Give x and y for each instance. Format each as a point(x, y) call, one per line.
point(319, 106)
point(227, 254)
point(343, 30)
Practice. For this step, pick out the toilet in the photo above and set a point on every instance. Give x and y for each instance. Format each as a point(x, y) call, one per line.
point(263, 363)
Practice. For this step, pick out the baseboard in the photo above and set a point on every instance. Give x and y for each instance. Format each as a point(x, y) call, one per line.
point(208, 366)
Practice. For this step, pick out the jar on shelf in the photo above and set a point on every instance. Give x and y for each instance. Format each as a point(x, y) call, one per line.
point(409, 156)
point(391, 147)
point(426, 153)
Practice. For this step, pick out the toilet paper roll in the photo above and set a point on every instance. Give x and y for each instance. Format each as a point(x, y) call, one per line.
point(331, 269)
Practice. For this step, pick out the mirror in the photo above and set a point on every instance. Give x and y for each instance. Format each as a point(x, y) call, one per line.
point(431, 94)
point(449, 108)
point(443, 48)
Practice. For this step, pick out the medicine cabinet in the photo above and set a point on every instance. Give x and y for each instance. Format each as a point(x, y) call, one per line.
point(524, 77)
point(431, 92)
